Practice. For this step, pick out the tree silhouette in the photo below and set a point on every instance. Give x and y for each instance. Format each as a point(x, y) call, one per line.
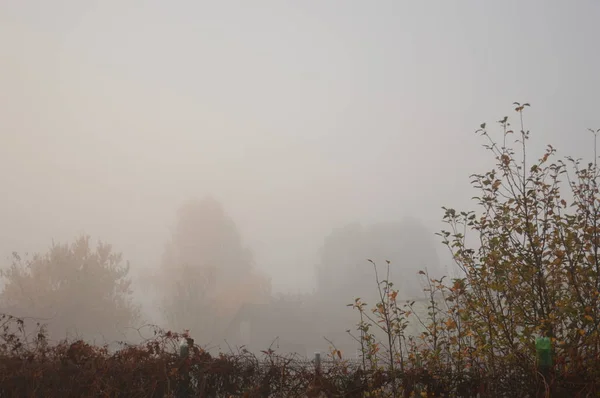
point(77, 290)
point(344, 268)
point(206, 273)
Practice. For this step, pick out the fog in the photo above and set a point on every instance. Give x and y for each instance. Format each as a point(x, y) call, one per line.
point(297, 117)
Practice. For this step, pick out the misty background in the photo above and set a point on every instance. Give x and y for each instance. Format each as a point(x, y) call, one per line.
point(297, 117)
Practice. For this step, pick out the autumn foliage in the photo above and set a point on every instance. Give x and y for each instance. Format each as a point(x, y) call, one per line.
point(80, 288)
point(529, 262)
point(530, 270)
point(29, 367)
point(206, 273)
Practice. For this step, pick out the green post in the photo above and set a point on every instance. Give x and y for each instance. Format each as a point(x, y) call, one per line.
point(543, 347)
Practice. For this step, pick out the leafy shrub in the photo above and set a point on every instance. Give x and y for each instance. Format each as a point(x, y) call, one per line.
point(31, 368)
point(533, 273)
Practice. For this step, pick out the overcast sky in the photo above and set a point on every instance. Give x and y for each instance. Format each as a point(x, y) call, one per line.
point(299, 116)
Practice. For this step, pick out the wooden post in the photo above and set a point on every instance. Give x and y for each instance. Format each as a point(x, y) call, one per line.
point(318, 362)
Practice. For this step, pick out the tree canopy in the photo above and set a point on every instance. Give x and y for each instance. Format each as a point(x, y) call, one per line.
point(206, 272)
point(76, 289)
point(407, 245)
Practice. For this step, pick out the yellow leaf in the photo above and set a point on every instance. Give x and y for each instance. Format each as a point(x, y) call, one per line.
point(450, 324)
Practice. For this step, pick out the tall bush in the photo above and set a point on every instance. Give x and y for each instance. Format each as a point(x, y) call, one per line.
point(530, 269)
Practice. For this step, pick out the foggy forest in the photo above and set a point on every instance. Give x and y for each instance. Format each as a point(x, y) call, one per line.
point(299, 199)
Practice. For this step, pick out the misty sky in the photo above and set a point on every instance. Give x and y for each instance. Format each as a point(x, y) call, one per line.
point(299, 116)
